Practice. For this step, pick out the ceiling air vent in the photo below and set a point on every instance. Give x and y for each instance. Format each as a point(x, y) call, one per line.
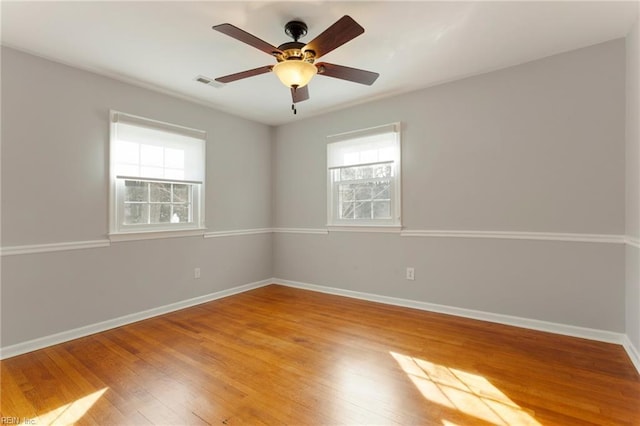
point(208, 81)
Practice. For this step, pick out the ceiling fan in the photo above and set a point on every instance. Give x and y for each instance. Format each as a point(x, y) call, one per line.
point(295, 65)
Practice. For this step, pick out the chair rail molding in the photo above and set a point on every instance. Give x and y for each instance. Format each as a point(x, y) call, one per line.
point(51, 247)
point(237, 232)
point(424, 233)
point(517, 235)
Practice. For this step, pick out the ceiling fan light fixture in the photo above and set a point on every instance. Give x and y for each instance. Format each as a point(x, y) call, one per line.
point(295, 73)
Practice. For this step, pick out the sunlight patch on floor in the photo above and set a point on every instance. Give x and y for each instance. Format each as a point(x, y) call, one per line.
point(468, 393)
point(72, 412)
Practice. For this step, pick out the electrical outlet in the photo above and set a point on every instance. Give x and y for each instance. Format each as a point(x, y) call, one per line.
point(411, 274)
point(196, 273)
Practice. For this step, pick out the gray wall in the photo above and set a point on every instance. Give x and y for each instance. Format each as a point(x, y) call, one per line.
point(537, 147)
point(55, 141)
point(633, 188)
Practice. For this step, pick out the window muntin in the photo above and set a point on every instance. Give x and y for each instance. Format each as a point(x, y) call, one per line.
point(157, 175)
point(363, 177)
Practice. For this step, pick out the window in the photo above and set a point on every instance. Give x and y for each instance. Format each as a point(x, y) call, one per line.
point(364, 177)
point(157, 175)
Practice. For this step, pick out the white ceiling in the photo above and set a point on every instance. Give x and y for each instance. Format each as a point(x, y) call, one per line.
point(165, 45)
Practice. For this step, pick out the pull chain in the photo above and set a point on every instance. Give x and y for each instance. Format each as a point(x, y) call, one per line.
point(293, 105)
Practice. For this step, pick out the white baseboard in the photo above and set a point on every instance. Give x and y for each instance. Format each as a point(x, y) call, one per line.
point(533, 324)
point(65, 336)
point(632, 351)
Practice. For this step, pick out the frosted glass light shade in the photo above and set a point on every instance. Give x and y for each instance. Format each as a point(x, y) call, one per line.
point(295, 73)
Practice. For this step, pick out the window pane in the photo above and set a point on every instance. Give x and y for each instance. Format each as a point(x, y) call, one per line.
point(365, 172)
point(381, 210)
point(347, 192)
point(136, 213)
point(180, 214)
point(363, 211)
point(381, 191)
point(348, 173)
point(363, 191)
point(383, 170)
point(135, 190)
point(181, 193)
point(160, 192)
point(160, 213)
point(347, 210)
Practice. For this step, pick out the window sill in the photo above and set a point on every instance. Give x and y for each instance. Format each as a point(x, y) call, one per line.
point(365, 228)
point(154, 235)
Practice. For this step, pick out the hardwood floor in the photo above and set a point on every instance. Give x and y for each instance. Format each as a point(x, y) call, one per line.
point(278, 355)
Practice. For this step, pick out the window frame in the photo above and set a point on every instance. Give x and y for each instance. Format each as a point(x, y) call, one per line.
point(118, 230)
point(395, 188)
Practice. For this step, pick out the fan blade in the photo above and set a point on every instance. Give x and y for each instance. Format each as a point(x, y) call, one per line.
point(345, 73)
point(300, 94)
point(244, 74)
point(245, 37)
point(342, 31)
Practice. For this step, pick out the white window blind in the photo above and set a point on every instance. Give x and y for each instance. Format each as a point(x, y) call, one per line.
point(360, 149)
point(149, 149)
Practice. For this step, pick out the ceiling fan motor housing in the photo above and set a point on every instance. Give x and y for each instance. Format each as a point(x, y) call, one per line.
point(293, 50)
